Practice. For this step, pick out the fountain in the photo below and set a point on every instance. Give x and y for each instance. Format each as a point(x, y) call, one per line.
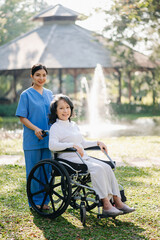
point(99, 124)
point(99, 118)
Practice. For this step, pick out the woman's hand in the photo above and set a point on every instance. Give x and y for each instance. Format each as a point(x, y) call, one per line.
point(79, 150)
point(102, 146)
point(38, 133)
point(28, 124)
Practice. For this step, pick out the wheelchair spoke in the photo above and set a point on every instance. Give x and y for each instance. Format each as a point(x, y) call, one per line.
point(56, 185)
point(44, 200)
point(51, 180)
point(84, 192)
point(36, 179)
point(58, 195)
point(45, 174)
point(51, 199)
point(36, 193)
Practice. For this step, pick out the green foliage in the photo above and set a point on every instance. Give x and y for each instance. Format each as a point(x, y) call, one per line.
point(5, 85)
point(134, 24)
point(152, 110)
point(132, 18)
point(8, 109)
point(15, 17)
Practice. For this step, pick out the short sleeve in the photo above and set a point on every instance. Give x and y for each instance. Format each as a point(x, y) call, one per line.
point(22, 108)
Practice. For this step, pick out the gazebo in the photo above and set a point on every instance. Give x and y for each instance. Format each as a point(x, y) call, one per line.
point(58, 43)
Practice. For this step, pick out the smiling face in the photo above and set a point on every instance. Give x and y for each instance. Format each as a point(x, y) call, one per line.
point(39, 78)
point(63, 110)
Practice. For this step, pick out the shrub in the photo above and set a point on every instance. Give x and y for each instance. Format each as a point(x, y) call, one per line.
point(8, 110)
point(134, 109)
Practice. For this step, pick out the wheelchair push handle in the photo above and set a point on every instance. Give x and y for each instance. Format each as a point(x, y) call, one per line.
point(44, 133)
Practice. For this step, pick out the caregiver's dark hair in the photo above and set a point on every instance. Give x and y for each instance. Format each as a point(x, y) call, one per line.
point(37, 67)
point(53, 107)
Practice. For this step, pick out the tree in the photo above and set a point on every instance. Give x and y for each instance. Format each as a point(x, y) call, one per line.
point(133, 24)
point(15, 17)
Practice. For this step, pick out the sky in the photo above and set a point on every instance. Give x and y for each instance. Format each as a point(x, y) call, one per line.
point(97, 21)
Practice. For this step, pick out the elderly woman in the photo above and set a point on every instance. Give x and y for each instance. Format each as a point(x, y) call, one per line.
point(64, 133)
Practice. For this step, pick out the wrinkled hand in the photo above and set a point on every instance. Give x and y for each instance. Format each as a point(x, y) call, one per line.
point(38, 133)
point(79, 150)
point(102, 146)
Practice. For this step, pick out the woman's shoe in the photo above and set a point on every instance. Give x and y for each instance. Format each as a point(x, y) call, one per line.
point(113, 212)
point(126, 209)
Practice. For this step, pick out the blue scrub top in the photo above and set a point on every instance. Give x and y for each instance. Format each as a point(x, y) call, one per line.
point(35, 107)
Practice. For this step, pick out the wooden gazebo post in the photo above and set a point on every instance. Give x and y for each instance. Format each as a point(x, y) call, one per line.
point(14, 86)
point(153, 87)
point(129, 86)
point(75, 82)
point(119, 85)
point(60, 80)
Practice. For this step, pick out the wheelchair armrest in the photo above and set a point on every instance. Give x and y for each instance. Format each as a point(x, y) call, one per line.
point(67, 150)
point(93, 148)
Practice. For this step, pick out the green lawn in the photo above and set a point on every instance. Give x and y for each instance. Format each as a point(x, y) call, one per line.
point(18, 222)
point(141, 185)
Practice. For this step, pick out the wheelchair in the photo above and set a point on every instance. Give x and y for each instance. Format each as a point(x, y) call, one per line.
point(63, 183)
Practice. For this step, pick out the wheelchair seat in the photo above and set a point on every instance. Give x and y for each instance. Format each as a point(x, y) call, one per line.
point(73, 168)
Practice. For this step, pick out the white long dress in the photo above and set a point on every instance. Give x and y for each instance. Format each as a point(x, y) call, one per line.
point(65, 134)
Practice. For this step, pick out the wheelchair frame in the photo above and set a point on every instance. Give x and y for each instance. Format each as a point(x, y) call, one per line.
point(63, 183)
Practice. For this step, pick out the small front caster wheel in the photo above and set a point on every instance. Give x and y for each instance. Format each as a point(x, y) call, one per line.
point(83, 213)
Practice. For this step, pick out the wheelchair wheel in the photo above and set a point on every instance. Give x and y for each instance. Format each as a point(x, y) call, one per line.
point(83, 213)
point(49, 183)
point(79, 193)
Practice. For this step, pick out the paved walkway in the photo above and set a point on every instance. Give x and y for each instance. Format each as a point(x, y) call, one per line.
point(12, 159)
point(135, 162)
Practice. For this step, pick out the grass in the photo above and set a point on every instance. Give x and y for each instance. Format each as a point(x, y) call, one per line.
point(141, 185)
point(18, 222)
point(131, 147)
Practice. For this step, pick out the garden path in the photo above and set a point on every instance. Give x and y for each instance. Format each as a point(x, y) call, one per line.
point(135, 162)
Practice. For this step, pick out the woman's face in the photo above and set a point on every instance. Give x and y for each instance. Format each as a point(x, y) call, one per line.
point(39, 77)
point(63, 110)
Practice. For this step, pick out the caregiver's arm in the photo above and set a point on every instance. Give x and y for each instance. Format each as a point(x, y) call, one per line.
point(28, 124)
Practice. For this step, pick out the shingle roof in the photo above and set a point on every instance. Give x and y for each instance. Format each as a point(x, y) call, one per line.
point(55, 44)
point(57, 11)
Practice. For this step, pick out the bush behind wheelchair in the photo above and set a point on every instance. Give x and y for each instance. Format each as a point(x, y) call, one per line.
point(63, 183)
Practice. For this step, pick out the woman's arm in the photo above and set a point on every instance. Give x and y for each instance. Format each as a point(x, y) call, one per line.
point(54, 139)
point(28, 124)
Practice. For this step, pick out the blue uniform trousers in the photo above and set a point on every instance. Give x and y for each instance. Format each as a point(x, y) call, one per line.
point(32, 157)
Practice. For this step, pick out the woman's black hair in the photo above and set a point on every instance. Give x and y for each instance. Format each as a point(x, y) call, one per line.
point(53, 107)
point(37, 67)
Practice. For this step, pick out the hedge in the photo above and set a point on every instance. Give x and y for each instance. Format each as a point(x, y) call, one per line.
point(8, 110)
